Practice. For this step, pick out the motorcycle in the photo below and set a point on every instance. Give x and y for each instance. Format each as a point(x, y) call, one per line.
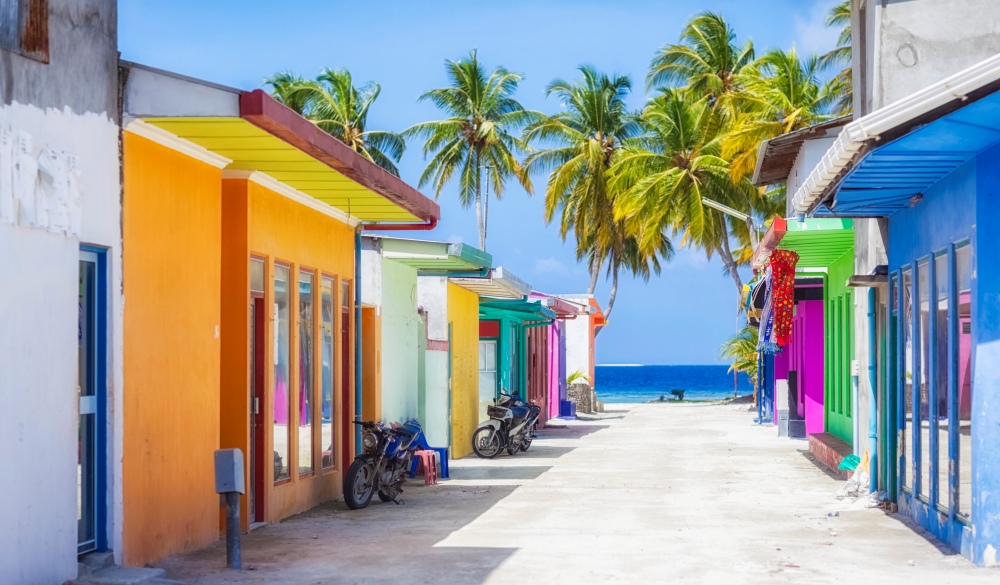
point(382, 466)
point(511, 426)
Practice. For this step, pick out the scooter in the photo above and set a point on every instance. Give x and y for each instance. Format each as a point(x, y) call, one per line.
point(511, 426)
point(387, 452)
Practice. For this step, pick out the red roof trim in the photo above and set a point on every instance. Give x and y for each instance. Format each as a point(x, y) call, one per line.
point(771, 240)
point(263, 111)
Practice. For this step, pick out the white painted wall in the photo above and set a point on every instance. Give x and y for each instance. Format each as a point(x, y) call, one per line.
point(400, 327)
point(432, 295)
point(38, 352)
point(810, 154)
point(437, 416)
point(578, 346)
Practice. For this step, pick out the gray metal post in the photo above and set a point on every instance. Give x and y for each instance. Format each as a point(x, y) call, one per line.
point(232, 529)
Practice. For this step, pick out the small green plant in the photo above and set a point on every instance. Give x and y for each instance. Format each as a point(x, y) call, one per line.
point(577, 376)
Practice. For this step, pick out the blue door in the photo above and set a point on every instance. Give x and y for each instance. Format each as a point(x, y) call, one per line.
point(92, 339)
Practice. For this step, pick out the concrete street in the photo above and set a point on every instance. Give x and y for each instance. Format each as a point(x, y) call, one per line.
point(649, 493)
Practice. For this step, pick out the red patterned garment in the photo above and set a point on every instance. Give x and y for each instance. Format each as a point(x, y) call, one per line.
point(783, 293)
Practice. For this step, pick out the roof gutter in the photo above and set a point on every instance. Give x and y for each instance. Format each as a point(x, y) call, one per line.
point(427, 225)
point(890, 122)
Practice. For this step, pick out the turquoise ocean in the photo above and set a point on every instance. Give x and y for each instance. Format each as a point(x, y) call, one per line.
point(637, 383)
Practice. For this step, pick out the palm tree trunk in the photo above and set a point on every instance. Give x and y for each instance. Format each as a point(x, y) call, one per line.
point(727, 259)
point(595, 272)
point(480, 220)
point(611, 301)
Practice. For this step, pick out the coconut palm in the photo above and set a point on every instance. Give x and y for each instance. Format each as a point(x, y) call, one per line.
point(707, 60)
point(664, 177)
point(480, 133)
point(742, 350)
point(584, 138)
point(782, 93)
point(333, 103)
point(841, 84)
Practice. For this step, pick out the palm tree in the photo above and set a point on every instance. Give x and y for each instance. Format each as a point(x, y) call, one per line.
point(665, 176)
point(782, 93)
point(478, 134)
point(707, 60)
point(841, 84)
point(742, 350)
point(585, 138)
point(334, 104)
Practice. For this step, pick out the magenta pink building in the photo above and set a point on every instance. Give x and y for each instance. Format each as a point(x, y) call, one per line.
point(800, 363)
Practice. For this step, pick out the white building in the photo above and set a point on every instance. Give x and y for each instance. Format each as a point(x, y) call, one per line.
point(61, 340)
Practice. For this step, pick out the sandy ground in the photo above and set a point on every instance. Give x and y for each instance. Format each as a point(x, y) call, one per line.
point(654, 493)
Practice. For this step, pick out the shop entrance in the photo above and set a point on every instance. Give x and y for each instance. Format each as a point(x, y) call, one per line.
point(91, 496)
point(257, 364)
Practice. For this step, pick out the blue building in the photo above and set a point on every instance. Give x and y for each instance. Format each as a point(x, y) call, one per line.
point(928, 165)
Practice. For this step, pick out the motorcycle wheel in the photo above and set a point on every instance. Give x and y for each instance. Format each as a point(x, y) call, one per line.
point(359, 484)
point(526, 439)
point(486, 442)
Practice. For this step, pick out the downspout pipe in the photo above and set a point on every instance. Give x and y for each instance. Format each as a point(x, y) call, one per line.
point(357, 338)
point(872, 404)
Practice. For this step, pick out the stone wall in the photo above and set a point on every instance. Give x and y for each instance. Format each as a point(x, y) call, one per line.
point(583, 395)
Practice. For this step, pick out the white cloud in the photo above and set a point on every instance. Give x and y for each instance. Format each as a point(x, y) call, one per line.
point(811, 33)
point(551, 266)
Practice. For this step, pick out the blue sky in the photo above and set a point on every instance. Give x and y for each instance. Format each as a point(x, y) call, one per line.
point(681, 316)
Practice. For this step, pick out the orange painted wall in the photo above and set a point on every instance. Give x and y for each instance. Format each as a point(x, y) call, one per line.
point(279, 229)
point(371, 364)
point(171, 269)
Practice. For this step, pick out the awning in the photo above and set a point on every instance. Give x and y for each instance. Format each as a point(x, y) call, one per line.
point(562, 308)
point(500, 284)
point(520, 311)
point(886, 160)
point(434, 257)
point(818, 242)
point(256, 133)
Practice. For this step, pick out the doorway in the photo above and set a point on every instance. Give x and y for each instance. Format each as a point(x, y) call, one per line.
point(92, 398)
point(257, 365)
point(487, 375)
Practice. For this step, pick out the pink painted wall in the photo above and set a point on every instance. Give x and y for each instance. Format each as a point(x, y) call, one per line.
point(807, 360)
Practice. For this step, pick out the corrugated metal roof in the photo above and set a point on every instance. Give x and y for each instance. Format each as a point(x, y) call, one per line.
point(500, 284)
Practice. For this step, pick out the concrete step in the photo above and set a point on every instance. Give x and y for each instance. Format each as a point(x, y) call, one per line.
point(123, 576)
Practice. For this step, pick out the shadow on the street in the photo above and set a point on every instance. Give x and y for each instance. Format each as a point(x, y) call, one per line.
point(821, 466)
point(925, 534)
point(383, 543)
point(500, 471)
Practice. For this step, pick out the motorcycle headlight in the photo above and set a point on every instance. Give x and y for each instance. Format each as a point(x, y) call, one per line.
point(369, 441)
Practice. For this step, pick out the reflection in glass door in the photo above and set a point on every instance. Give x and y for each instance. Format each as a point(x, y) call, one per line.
point(90, 394)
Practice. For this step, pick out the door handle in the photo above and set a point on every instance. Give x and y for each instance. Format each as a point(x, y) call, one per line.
point(255, 408)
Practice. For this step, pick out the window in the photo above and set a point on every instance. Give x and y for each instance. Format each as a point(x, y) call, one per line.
point(487, 375)
point(281, 408)
point(307, 375)
point(328, 368)
point(24, 28)
point(921, 424)
point(939, 391)
point(963, 357)
point(906, 335)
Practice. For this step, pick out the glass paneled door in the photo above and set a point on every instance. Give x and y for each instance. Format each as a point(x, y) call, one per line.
point(91, 339)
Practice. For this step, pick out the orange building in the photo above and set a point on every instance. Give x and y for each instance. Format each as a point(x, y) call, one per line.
point(241, 225)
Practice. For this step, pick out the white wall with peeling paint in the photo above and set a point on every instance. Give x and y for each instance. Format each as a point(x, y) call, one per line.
point(39, 308)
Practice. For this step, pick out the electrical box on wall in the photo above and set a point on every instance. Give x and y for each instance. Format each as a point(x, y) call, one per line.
point(229, 471)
